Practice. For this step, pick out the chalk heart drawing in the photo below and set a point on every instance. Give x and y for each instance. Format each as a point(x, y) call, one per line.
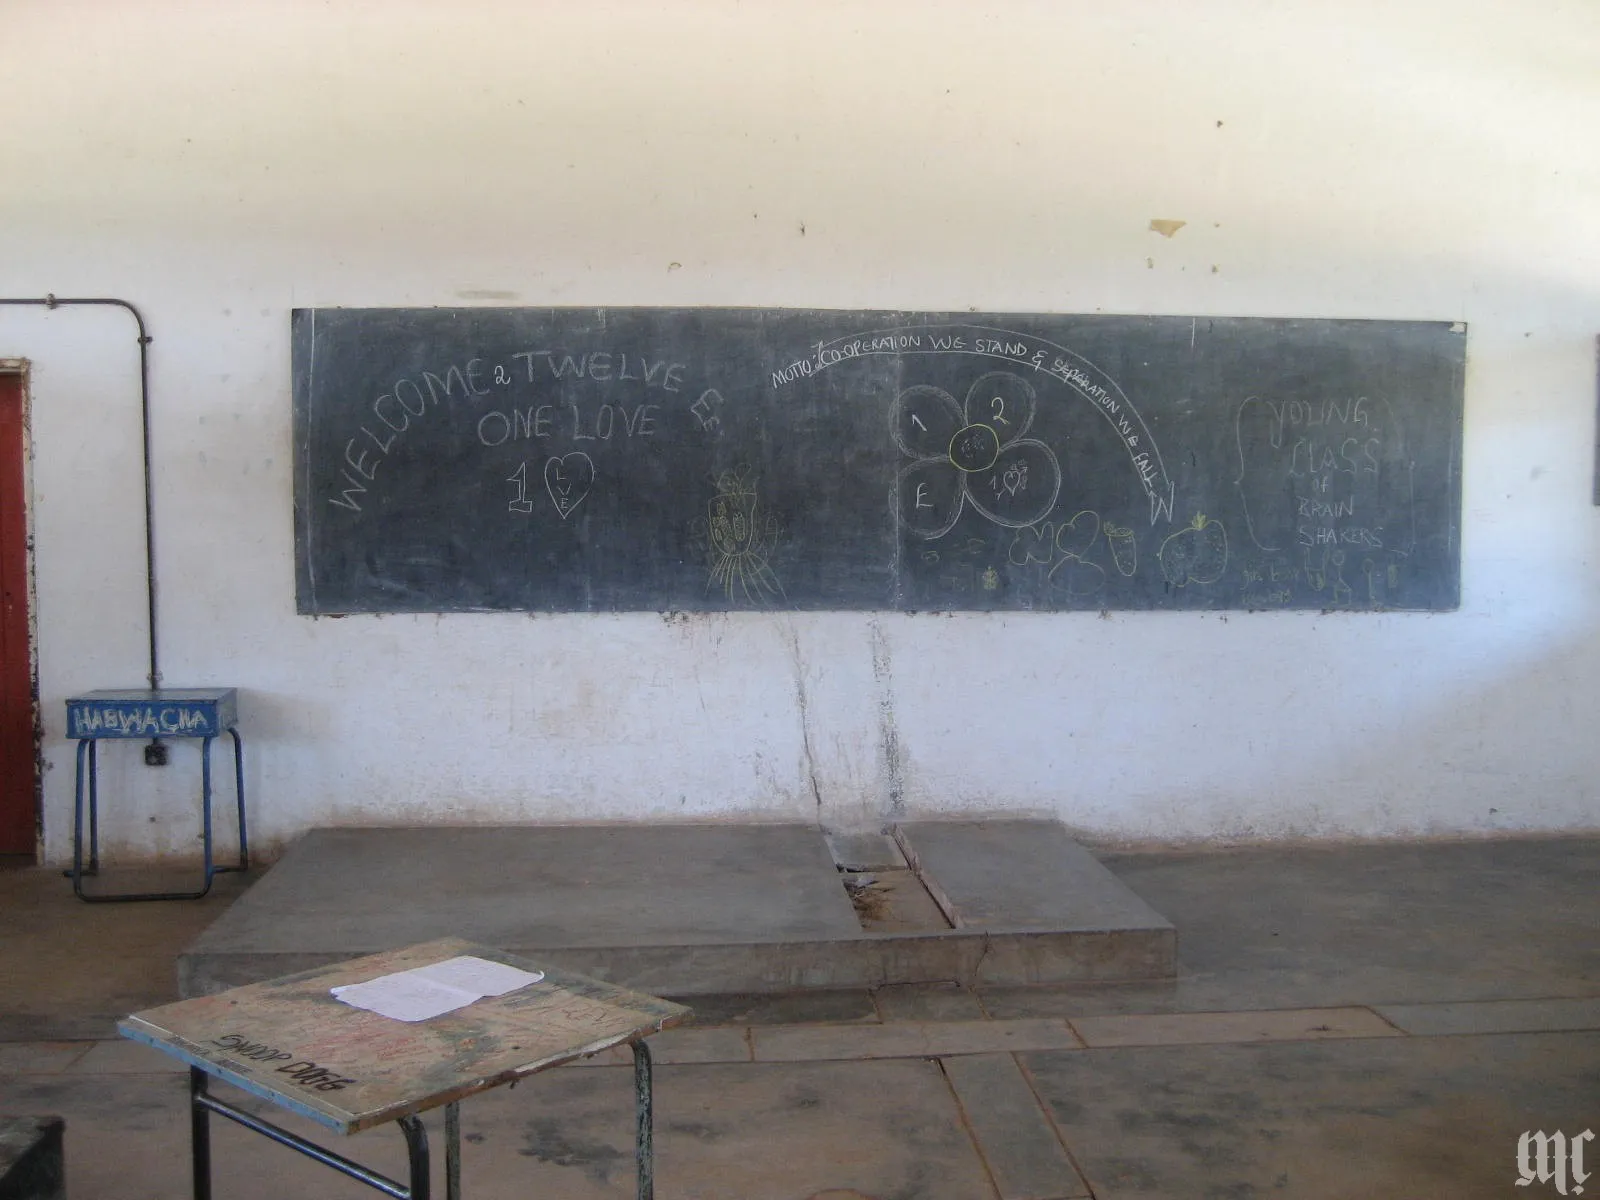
point(568, 478)
point(1034, 544)
point(1075, 538)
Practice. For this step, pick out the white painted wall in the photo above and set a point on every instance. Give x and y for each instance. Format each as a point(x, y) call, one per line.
point(219, 164)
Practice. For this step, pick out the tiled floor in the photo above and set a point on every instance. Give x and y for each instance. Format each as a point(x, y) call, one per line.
point(1371, 1021)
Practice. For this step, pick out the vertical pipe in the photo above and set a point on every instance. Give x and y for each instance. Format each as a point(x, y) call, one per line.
point(52, 302)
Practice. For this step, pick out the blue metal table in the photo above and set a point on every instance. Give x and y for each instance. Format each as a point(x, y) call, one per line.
point(140, 713)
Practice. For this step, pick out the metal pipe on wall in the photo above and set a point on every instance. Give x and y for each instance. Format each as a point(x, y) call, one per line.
point(54, 302)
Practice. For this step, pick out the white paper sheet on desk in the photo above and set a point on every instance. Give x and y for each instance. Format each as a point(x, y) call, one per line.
point(433, 990)
point(480, 975)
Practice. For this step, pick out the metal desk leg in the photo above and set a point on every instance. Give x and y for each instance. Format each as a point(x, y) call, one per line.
point(203, 1104)
point(417, 1155)
point(452, 1150)
point(199, 1134)
point(644, 1100)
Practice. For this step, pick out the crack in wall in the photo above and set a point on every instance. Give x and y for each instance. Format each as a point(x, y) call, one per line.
point(804, 702)
point(893, 761)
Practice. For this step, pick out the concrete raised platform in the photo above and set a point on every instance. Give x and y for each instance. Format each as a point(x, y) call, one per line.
point(1019, 875)
point(691, 909)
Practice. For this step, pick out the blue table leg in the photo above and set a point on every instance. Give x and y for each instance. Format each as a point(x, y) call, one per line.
point(205, 808)
point(94, 808)
point(238, 792)
point(88, 777)
point(84, 747)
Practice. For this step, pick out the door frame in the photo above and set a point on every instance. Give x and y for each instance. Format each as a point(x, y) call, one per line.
point(17, 369)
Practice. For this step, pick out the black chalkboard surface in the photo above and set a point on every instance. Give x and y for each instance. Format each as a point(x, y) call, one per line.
point(713, 459)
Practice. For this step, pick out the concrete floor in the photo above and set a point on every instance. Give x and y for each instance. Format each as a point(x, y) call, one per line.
point(1351, 1022)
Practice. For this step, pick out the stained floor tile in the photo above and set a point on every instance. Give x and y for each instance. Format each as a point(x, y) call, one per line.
point(40, 1057)
point(1420, 1118)
point(782, 1008)
point(909, 1039)
point(928, 1002)
point(1496, 1016)
point(123, 1057)
point(715, 1045)
point(1181, 1029)
point(1025, 1158)
point(723, 1132)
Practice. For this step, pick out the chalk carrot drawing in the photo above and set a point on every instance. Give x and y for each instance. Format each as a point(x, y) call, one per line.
point(1124, 548)
point(1075, 540)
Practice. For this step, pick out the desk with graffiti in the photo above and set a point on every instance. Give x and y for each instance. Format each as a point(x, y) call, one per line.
point(291, 1041)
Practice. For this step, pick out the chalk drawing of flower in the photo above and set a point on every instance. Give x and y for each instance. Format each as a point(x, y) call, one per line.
point(974, 453)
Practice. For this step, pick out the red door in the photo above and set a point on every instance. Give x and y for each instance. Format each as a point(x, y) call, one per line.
point(17, 813)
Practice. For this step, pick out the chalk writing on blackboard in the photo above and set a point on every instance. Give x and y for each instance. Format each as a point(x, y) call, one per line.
point(1335, 468)
point(972, 454)
point(713, 459)
point(568, 477)
point(1035, 353)
point(1328, 484)
point(519, 501)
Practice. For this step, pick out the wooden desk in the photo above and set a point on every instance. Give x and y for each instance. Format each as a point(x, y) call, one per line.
point(290, 1041)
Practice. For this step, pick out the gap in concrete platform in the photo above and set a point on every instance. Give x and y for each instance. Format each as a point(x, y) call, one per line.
point(888, 896)
point(893, 900)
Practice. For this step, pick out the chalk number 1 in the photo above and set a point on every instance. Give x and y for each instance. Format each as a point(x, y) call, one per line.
point(520, 502)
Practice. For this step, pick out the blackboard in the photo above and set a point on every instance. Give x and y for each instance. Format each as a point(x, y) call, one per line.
point(702, 459)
